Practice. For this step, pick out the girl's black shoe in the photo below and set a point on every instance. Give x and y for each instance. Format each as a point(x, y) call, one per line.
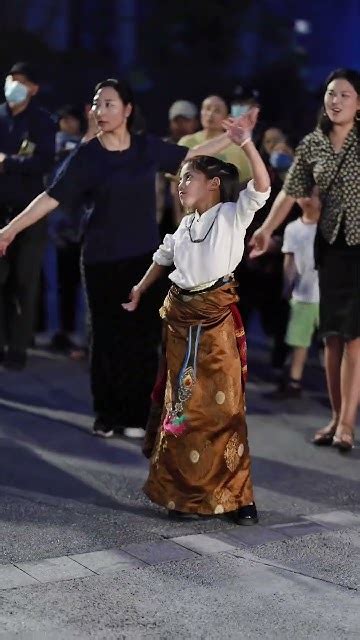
point(180, 515)
point(246, 516)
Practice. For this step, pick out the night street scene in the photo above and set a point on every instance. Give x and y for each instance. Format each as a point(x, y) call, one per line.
point(180, 320)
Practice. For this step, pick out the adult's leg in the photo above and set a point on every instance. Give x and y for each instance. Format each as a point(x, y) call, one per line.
point(334, 347)
point(98, 296)
point(69, 279)
point(25, 266)
point(350, 393)
point(124, 347)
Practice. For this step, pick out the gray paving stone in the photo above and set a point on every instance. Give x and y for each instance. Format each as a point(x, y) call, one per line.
point(204, 544)
point(11, 577)
point(273, 518)
point(54, 569)
point(51, 634)
point(336, 519)
point(107, 561)
point(157, 552)
point(300, 529)
point(254, 535)
point(287, 523)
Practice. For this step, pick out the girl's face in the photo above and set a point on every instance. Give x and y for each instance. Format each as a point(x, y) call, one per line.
point(213, 112)
point(70, 125)
point(311, 206)
point(195, 188)
point(110, 111)
point(341, 101)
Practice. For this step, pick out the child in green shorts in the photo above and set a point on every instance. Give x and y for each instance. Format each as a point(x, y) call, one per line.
point(301, 285)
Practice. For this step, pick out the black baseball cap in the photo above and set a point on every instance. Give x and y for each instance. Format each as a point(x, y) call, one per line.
point(26, 69)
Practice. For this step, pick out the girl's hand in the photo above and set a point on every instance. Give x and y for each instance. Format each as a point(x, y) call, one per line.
point(240, 129)
point(134, 297)
point(6, 238)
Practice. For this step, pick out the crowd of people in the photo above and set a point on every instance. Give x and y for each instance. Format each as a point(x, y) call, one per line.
point(210, 199)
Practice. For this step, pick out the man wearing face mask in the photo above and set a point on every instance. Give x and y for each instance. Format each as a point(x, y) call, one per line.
point(243, 99)
point(281, 159)
point(27, 149)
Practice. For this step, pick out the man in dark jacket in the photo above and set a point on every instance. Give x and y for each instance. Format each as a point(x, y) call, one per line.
point(27, 149)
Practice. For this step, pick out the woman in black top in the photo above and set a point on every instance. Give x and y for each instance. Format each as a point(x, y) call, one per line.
point(116, 171)
point(330, 158)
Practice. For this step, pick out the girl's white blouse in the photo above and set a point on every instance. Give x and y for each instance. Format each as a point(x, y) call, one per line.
point(222, 250)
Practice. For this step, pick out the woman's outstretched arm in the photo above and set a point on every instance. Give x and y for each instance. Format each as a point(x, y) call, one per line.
point(37, 209)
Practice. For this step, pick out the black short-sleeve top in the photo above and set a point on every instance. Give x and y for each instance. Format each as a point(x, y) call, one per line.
point(316, 162)
point(120, 185)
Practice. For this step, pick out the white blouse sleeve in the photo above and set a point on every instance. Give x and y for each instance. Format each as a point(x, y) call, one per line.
point(249, 202)
point(164, 255)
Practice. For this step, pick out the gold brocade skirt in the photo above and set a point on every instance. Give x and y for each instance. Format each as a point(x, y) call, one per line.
point(200, 462)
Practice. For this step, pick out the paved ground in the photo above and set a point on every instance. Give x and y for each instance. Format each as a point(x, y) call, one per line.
point(84, 555)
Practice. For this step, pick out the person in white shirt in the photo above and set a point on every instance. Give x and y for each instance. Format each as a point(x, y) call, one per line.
point(301, 285)
point(200, 460)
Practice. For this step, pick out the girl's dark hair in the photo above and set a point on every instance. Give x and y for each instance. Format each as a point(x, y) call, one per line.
point(215, 168)
point(353, 77)
point(124, 92)
point(75, 112)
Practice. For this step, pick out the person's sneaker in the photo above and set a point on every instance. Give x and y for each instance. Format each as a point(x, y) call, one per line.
point(15, 360)
point(134, 432)
point(102, 430)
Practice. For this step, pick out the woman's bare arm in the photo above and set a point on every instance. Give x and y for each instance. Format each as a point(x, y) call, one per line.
point(37, 209)
point(261, 238)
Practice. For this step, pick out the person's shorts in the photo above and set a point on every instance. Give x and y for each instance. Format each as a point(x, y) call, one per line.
point(303, 321)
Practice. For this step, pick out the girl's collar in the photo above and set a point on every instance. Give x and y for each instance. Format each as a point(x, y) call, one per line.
point(213, 209)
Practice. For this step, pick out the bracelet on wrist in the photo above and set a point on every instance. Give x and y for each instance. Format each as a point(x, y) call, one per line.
point(245, 141)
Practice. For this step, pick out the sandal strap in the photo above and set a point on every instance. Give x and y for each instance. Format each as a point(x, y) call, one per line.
point(326, 431)
point(344, 433)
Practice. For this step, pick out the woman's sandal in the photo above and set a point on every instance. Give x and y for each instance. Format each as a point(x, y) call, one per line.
point(324, 437)
point(343, 438)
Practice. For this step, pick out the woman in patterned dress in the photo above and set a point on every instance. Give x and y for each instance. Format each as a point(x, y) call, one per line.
point(200, 460)
point(330, 158)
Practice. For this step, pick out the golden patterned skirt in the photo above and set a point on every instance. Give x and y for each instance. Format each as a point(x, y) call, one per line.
point(200, 461)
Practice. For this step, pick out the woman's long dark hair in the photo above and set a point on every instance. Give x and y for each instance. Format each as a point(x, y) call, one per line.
point(215, 168)
point(124, 92)
point(353, 77)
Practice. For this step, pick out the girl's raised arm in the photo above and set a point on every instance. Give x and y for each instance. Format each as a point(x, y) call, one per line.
point(239, 131)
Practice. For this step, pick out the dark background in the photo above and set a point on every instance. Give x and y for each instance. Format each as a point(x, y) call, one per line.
point(172, 49)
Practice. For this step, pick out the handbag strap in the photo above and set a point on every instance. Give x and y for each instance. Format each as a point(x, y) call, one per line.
point(337, 171)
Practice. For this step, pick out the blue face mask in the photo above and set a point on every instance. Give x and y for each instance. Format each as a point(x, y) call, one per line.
point(280, 161)
point(15, 92)
point(238, 110)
